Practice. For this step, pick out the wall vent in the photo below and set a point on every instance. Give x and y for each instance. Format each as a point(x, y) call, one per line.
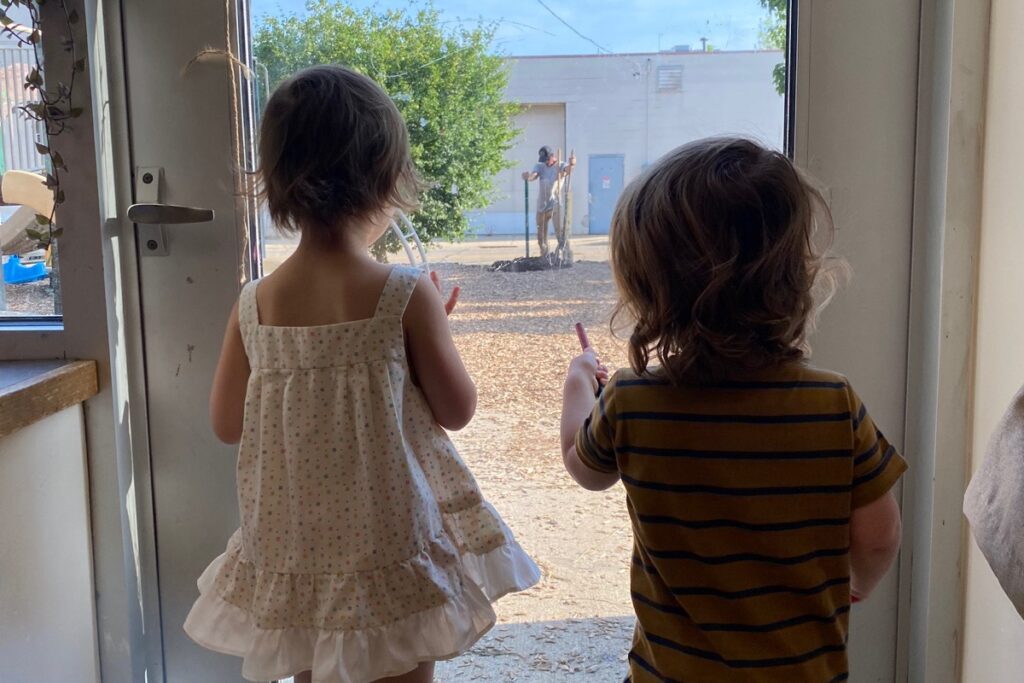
point(670, 79)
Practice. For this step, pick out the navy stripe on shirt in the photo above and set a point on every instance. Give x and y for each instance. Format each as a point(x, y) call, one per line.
point(658, 416)
point(648, 667)
point(866, 455)
point(747, 557)
point(736, 524)
point(792, 384)
point(889, 452)
point(743, 628)
point(733, 491)
point(732, 455)
point(707, 591)
point(601, 453)
point(776, 625)
point(745, 663)
point(861, 414)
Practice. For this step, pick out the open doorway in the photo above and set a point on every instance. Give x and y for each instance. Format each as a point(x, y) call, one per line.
point(614, 88)
point(855, 127)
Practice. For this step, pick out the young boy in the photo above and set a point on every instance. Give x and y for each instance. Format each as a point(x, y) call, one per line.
point(758, 487)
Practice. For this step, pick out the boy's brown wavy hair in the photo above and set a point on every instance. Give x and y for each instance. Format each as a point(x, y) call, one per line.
point(713, 251)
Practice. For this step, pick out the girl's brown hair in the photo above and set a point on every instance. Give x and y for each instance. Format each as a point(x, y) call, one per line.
point(714, 257)
point(333, 148)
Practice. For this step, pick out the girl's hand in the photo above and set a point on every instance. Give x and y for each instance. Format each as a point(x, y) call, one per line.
point(453, 299)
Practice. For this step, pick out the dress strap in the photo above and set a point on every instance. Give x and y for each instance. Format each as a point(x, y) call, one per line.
point(397, 291)
point(248, 313)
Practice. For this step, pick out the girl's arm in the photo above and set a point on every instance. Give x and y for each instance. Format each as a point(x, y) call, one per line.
point(227, 397)
point(435, 361)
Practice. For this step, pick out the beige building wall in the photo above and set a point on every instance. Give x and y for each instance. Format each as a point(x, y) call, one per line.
point(639, 106)
point(993, 633)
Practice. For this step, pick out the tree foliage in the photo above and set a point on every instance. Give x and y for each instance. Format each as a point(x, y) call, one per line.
point(773, 36)
point(447, 83)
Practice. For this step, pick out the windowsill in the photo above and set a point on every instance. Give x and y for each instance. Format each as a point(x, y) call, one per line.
point(31, 325)
point(32, 390)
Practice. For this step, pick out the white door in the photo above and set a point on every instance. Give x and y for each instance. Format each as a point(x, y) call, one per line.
point(181, 122)
point(854, 128)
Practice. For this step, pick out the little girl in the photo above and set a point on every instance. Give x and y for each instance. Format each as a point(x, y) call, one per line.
point(365, 549)
point(758, 486)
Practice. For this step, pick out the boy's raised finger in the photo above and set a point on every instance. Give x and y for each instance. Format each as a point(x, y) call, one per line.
point(453, 299)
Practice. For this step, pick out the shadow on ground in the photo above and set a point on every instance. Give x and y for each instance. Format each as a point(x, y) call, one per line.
point(546, 652)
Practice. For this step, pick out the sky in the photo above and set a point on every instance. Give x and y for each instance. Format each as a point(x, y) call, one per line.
point(527, 27)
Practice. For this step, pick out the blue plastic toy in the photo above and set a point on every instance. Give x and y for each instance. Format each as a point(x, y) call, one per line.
point(17, 274)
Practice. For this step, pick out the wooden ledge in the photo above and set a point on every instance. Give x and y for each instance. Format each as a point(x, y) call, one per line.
point(32, 390)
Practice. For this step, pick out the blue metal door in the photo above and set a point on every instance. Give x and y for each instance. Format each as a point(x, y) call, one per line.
point(606, 174)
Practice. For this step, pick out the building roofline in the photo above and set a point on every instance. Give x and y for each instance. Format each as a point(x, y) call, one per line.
point(664, 53)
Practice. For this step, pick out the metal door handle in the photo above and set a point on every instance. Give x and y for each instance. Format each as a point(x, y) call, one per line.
point(168, 214)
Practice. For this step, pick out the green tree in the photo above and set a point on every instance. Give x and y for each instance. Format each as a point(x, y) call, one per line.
point(447, 83)
point(773, 36)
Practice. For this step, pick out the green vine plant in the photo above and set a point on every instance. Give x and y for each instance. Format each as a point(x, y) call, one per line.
point(53, 108)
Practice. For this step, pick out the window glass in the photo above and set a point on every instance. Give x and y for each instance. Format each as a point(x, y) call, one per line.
point(30, 287)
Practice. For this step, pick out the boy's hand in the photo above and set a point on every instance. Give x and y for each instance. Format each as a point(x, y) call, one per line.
point(587, 366)
point(453, 299)
point(586, 374)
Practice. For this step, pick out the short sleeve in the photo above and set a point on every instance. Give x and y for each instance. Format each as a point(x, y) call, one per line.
point(595, 441)
point(876, 464)
point(538, 168)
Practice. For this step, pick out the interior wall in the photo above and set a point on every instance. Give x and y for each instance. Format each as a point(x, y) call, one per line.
point(993, 634)
point(48, 629)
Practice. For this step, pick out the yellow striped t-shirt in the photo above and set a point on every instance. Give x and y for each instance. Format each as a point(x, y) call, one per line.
point(740, 497)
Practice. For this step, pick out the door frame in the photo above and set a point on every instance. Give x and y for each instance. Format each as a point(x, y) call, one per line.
point(946, 252)
point(944, 247)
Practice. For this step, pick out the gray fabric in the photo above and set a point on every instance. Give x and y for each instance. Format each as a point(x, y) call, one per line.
point(550, 185)
point(554, 217)
point(994, 503)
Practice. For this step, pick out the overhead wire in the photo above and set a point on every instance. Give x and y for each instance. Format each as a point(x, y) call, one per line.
point(572, 28)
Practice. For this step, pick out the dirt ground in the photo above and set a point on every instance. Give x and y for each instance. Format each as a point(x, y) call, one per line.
point(515, 332)
point(33, 298)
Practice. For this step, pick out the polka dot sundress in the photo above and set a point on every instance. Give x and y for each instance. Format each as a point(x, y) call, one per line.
point(365, 546)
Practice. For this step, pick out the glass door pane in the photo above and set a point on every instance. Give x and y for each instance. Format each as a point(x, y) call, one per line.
point(483, 87)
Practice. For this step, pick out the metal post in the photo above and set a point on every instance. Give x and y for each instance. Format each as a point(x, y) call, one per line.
point(566, 254)
point(526, 195)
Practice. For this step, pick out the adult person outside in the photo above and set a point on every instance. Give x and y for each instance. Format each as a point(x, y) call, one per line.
point(550, 173)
